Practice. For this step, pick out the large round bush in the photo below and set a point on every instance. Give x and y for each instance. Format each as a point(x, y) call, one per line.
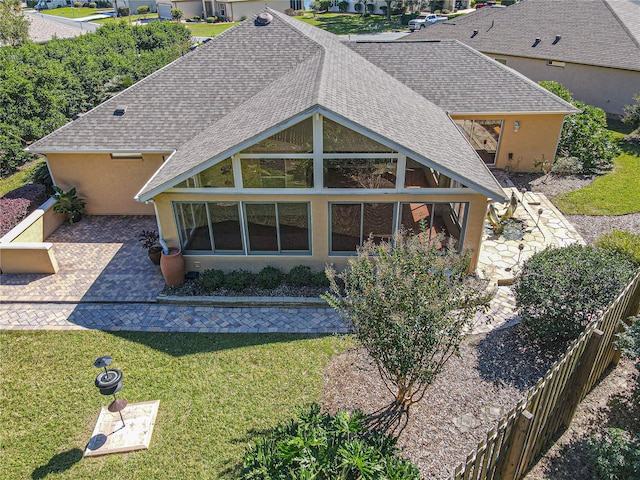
point(561, 289)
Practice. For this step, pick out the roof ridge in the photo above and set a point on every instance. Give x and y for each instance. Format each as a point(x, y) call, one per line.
point(622, 24)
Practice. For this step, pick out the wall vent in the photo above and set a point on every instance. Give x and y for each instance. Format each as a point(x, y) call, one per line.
point(557, 39)
point(475, 32)
point(535, 44)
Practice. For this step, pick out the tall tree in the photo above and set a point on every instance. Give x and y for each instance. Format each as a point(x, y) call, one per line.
point(14, 27)
point(410, 303)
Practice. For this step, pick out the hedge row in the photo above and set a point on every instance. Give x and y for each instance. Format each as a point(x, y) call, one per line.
point(268, 278)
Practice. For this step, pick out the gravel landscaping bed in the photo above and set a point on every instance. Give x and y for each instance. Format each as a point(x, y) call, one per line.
point(465, 401)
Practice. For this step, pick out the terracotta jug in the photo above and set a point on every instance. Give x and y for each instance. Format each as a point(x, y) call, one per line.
point(172, 267)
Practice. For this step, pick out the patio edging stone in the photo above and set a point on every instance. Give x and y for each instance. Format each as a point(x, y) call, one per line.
point(235, 302)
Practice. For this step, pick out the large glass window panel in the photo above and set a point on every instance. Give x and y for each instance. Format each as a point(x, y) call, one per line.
point(295, 139)
point(484, 136)
point(225, 223)
point(293, 223)
point(262, 231)
point(435, 219)
point(345, 227)
point(217, 176)
point(419, 176)
point(416, 217)
point(277, 173)
point(340, 139)
point(377, 221)
point(360, 173)
point(193, 226)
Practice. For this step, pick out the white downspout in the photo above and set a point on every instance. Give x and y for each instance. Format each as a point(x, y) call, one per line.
point(165, 247)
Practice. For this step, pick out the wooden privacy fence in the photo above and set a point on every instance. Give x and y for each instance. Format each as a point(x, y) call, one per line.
point(512, 447)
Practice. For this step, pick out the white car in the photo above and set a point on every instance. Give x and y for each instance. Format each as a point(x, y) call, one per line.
point(424, 20)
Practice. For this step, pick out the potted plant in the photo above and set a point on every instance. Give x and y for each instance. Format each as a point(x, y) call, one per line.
point(69, 204)
point(149, 240)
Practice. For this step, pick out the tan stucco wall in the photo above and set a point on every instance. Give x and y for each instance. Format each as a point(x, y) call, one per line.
point(607, 88)
point(237, 10)
point(107, 185)
point(319, 230)
point(27, 258)
point(537, 138)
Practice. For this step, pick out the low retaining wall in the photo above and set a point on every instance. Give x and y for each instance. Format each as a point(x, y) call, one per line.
point(23, 249)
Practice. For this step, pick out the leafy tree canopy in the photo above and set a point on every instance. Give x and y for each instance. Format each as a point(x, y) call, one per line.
point(14, 27)
point(42, 87)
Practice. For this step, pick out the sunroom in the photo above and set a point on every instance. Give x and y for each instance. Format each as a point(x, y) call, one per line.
point(310, 194)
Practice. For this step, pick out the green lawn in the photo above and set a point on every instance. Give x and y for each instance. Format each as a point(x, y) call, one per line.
point(215, 392)
point(132, 18)
point(72, 12)
point(19, 178)
point(208, 29)
point(352, 24)
point(615, 193)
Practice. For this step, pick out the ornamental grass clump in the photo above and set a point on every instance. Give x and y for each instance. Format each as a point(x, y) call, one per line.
point(560, 290)
point(409, 303)
point(320, 446)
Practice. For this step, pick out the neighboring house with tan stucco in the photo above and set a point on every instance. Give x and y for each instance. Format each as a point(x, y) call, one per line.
point(232, 10)
point(277, 143)
point(592, 47)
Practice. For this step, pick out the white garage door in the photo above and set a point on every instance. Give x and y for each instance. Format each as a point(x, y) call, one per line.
point(164, 11)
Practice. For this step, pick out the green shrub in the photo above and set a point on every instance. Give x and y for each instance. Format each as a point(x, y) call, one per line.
point(624, 243)
point(584, 135)
point(211, 20)
point(243, 18)
point(371, 7)
point(343, 6)
point(77, 4)
point(632, 113)
point(238, 280)
point(211, 280)
point(93, 4)
point(616, 455)
point(320, 280)
point(32, 3)
point(300, 276)
point(567, 166)
point(561, 289)
point(124, 11)
point(269, 277)
point(318, 445)
point(143, 10)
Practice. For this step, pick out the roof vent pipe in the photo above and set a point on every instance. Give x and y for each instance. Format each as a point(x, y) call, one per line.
point(536, 42)
point(263, 19)
point(475, 32)
point(120, 110)
point(557, 39)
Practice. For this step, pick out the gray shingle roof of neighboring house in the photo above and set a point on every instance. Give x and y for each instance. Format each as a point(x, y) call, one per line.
point(252, 80)
point(460, 79)
point(593, 32)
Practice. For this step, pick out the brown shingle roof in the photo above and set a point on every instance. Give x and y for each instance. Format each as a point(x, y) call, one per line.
point(593, 32)
point(460, 79)
point(252, 80)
